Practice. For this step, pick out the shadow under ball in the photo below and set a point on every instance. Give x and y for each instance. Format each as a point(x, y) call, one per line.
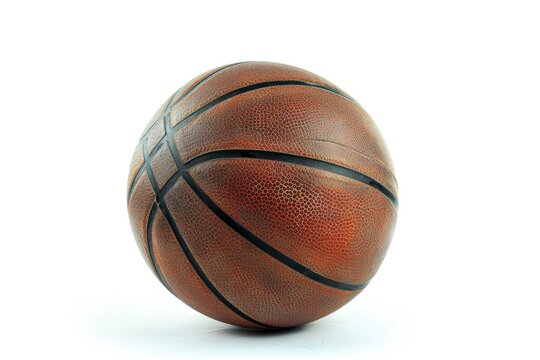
point(262, 195)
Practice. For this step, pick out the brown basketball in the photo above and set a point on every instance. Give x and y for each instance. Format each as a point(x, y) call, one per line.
point(262, 195)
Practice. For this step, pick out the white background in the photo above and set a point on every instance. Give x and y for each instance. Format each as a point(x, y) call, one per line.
point(453, 86)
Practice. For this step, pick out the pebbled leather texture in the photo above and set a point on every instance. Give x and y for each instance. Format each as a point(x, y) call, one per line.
point(343, 227)
point(309, 122)
point(182, 278)
point(262, 195)
point(258, 283)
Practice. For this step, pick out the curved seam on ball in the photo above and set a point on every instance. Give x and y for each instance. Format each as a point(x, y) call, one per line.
point(196, 85)
point(162, 116)
point(264, 246)
point(160, 199)
point(228, 96)
point(254, 87)
point(298, 160)
point(244, 232)
point(149, 242)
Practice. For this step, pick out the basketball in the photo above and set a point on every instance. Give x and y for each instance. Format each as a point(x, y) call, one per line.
point(262, 195)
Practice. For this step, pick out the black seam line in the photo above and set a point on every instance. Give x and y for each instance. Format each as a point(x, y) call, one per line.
point(181, 241)
point(164, 115)
point(199, 270)
point(248, 235)
point(236, 226)
point(160, 115)
point(201, 81)
point(252, 238)
point(273, 252)
point(143, 167)
point(253, 87)
point(160, 201)
point(172, 146)
point(196, 85)
point(294, 159)
point(259, 243)
point(227, 97)
point(151, 217)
